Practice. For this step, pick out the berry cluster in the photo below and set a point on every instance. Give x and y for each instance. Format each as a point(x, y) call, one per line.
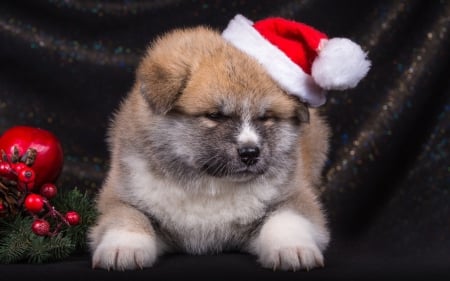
point(36, 204)
point(16, 172)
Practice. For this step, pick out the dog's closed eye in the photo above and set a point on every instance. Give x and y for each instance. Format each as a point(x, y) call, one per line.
point(216, 116)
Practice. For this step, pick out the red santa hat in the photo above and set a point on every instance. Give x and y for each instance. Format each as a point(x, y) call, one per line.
point(301, 59)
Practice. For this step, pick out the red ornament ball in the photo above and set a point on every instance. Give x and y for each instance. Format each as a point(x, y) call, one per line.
point(34, 203)
point(49, 158)
point(48, 190)
point(72, 217)
point(40, 227)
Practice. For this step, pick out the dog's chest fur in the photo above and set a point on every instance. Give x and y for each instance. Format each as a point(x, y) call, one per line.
point(209, 217)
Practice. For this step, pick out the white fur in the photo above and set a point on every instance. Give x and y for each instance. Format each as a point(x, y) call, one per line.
point(281, 68)
point(248, 135)
point(340, 64)
point(121, 250)
point(203, 218)
point(290, 242)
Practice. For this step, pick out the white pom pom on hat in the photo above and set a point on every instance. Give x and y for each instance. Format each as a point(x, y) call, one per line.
point(301, 59)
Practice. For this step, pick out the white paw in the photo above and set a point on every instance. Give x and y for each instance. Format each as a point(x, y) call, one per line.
point(288, 241)
point(123, 250)
point(292, 257)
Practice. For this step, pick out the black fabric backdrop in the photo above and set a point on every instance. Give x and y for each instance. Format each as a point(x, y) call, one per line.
point(65, 65)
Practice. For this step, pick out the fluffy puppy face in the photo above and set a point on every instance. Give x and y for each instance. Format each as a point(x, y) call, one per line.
point(220, 115)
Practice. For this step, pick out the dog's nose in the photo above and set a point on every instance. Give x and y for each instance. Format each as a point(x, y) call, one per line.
point(249, 154)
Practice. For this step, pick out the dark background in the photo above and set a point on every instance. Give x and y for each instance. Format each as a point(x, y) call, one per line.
point(65, 66)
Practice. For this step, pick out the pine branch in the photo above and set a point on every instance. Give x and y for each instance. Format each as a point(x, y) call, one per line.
point(45, 249)
point(59, 252)
point(15, 239)
point(84, 205)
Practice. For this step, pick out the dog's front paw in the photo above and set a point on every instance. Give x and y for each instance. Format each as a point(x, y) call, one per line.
point(288, 241)
point(123, 250)
point(291, 257)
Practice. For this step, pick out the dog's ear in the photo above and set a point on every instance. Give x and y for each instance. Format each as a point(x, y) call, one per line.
point(162, 79)
point(169, 62)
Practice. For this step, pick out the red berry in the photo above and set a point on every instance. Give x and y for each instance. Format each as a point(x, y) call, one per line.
point(40, 227)
point(19, 167)
point(26, 175)
point(72, 217)
point(2, 207)
point(34, 203)
point(5, 169)
point(26, 178)
point(48, 190)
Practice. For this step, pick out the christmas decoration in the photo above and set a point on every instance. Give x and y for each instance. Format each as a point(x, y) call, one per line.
point(33, 147)
point(40, 227)
point(301, 59)
point(19, 243)
point(30, 162)
point(34, 203)
point(9, 199)
point(48, 190)
point(72, 217)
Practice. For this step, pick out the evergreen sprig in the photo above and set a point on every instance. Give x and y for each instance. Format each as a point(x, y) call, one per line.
point(19, 244)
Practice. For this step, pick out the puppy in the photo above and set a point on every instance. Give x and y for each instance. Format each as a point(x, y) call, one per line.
point(209, 154)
